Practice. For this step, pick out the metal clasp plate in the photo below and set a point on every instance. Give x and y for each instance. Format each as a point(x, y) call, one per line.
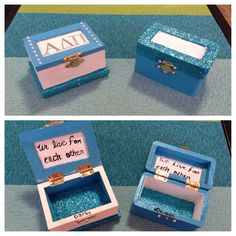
point(166, 67)
point(57, 178)
point(85, 170)
point(73, 60)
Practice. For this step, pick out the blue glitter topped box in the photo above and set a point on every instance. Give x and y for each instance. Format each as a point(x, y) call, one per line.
point(174, 58)
point(73, 186)
point(173, 190)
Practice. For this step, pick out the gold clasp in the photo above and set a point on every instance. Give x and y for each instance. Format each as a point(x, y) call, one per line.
point(167, 67)
point(73, 60)
point(56, 178)
point(85, 170)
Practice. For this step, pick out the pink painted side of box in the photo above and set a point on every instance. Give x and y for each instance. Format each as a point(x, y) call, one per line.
point(60, 74)
point(180, 192)
point(70, 223)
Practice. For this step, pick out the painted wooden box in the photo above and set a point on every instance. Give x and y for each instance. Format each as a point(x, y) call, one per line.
point(73, 186)
point(63, 58)
point(175, 58)
point(173, 190)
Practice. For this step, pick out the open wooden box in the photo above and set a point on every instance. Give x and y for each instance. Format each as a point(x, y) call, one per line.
point(73, 187)
point(174, 188)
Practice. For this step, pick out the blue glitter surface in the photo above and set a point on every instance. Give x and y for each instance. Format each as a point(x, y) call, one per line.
point(78, 199)
point(154, 51)
point(151, 200)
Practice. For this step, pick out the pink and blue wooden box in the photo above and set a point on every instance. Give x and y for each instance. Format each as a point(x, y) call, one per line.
point(73, 186)
point(66, 57)
point(174, 58)
point(174, 189)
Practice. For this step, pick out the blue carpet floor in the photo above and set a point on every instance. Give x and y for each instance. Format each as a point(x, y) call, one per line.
point(118, 32)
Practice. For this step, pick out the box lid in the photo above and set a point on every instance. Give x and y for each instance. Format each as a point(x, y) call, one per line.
point(184, 51)
point(50, 48)
point(60, 148)
point(181, 165)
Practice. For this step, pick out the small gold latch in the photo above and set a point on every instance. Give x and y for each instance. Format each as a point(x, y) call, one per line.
point(162, 175)
point(52, 123)
point(85, 170)
point(73, 60)
point(192, 185)
point(166, 67)
point(55, 179)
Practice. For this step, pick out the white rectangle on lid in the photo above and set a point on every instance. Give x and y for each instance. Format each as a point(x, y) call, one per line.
point(179, 45)
point(61, 43)
point(171, 166)
point(61, 150)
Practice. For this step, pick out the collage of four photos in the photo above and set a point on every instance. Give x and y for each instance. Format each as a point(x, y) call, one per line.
point(117, 117)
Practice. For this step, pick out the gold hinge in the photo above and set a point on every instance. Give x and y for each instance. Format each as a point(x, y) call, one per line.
point(85, 170)
point(186, 147)
point(56, 178)
point(73, 60)
point(162, 175)
point(192, 185)
point(52, 123)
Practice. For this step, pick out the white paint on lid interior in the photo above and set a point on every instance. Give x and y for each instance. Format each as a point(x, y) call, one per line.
point(180, 45)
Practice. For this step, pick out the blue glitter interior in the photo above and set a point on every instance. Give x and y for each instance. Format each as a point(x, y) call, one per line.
point(77, 195)
point(177, 207)
point(182, 61)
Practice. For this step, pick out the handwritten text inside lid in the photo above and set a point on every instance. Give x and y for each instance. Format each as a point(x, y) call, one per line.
point(171, 166)
point(61, 150)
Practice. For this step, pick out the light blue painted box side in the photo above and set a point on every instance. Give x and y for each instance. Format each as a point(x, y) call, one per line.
point(189, 74)
point(207, 164)
point(38, 62)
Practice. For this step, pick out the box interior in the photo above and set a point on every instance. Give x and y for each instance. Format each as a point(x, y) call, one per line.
point(171, 199)
point(77, 195)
